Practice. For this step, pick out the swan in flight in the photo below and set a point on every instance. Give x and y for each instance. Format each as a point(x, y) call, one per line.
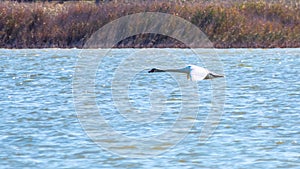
point(194, 73)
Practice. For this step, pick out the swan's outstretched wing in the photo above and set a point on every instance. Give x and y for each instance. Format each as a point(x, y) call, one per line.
point(197, 73)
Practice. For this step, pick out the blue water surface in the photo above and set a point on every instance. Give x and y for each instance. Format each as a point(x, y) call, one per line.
point(259, 128)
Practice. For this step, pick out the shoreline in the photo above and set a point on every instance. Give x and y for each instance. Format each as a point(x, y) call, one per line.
point(148, 48)
point(243, 24)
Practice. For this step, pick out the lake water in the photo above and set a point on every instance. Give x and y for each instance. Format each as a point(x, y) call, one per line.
point(41, 125)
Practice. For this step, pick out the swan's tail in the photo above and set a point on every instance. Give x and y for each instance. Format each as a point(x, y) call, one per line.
point(212, 75)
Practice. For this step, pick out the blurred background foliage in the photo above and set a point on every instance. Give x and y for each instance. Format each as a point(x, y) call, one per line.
point(68, 24)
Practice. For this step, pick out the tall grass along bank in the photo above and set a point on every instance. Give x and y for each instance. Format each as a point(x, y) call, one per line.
point(66, 25)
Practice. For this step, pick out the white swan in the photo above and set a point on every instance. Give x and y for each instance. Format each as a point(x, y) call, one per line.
point(194, 73)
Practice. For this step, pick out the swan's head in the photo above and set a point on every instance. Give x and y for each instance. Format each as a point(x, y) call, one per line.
point(152, 70)
point(155, 70)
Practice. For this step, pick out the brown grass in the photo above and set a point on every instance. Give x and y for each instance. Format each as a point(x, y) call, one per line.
point(235, 24)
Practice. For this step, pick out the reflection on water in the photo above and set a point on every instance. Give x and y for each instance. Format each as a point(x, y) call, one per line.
point(259, 127)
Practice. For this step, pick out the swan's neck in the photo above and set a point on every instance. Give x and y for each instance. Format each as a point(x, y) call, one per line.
point(176, 70)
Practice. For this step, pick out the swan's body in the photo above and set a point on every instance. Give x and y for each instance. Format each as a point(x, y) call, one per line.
point(194, 73)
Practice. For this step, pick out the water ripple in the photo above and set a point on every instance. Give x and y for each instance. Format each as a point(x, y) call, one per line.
point(259, 127)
